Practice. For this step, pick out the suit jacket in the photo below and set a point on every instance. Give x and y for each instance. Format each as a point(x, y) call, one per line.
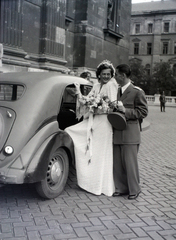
point(136, 107)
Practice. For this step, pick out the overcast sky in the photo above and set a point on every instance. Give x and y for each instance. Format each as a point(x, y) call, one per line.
point(138, 1)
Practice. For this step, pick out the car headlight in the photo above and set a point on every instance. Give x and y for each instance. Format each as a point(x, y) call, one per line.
point(8, 150)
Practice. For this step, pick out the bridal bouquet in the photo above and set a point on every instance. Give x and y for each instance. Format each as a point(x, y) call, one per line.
point(96, 103)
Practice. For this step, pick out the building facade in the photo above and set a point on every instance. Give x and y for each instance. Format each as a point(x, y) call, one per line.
point(63, 35)
point(153, 34)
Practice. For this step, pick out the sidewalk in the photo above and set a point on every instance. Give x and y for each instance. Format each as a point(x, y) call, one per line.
point(76, 214)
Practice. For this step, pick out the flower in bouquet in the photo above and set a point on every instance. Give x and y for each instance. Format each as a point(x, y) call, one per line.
point(96, 103)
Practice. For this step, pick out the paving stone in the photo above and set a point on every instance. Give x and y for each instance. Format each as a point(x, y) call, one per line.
point(110, 237)
point(19, 232)
point(95, 228)
point(33, 235)
point(83, 224)
point(48, 237)
point(65, 236)
point(52, 224)
point(67, 221)
point(66, 228)
point(124, 228)
point(81, 232)
point(96, 236)
point(36, 228)
point(95, 221)
point(50, 231)
point(23, 224)
point(109, 224)
point(140, 232)
point(6, 235)
point(5, 228)
point(39, 221)
point(82, 217)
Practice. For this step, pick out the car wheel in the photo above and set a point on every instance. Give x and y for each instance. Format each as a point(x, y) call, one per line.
point(56, 175)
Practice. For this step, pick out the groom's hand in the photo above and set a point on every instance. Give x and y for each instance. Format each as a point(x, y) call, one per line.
point(121, 108)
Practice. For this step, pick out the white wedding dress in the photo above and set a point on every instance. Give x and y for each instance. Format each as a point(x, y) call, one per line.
point(96, 175)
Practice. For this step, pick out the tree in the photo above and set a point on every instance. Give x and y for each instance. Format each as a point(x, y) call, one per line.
point(139, 76)
point(163, 79)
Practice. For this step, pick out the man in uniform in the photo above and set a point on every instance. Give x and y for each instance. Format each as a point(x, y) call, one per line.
point(126, 142)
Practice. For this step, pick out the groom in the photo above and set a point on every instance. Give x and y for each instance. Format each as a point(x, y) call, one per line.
point(126, 142)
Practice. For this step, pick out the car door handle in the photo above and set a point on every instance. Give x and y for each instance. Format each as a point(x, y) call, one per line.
point(9, 114)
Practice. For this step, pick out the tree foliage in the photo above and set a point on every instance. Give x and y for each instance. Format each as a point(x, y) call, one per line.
point(161, 80)
point(139, 76)
point(163, 77)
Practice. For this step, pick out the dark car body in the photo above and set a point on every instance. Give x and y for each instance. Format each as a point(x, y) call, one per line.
point(34, 110)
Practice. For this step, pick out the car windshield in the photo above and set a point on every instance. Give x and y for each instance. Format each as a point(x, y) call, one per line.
point(10, 92)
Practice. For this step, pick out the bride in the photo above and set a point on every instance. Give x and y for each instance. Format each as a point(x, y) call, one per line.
point(93, 137)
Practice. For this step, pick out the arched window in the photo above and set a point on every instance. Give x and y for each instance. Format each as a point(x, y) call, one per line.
point(113, 15)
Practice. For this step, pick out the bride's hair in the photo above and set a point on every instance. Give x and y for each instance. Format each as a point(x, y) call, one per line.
point(106, 64)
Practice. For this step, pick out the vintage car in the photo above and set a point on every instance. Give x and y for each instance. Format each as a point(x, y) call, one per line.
point(35, 108)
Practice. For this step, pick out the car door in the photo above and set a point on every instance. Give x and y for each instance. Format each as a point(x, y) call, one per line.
point(67, 114)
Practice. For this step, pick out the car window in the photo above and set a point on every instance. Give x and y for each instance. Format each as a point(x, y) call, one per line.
point(85, 89)
point(69, 95)
point(10, 92)
point(67, 113)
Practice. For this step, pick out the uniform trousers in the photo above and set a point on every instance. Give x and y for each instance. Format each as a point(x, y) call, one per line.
point(125, 168)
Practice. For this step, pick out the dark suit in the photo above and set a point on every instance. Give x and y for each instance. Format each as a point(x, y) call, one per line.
point(126, 142)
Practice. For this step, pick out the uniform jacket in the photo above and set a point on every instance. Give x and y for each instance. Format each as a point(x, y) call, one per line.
point(136, 107)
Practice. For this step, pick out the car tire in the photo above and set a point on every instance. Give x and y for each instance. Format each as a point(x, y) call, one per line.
point(56, 175)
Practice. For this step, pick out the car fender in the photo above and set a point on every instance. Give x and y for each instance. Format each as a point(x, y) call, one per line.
point(13, 167)
point(36, 171)
point(22, 166)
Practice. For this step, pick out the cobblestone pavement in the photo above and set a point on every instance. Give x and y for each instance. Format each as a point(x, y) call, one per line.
point(76, 214)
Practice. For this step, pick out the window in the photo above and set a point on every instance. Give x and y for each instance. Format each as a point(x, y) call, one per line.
point(136, 48)
point(11, 19)
point(165, 47)
point(166, 27)
point(150, 28)
point(137, 28)
point(70, 9)
point(149, 48)
point(70, 96)
point(10, 92)
point(113, 15)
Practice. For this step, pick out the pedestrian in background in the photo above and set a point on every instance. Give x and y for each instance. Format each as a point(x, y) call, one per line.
point(162, 102)
point(87, 75)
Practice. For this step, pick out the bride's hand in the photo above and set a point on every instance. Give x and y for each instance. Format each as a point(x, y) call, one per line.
point(77, 86)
